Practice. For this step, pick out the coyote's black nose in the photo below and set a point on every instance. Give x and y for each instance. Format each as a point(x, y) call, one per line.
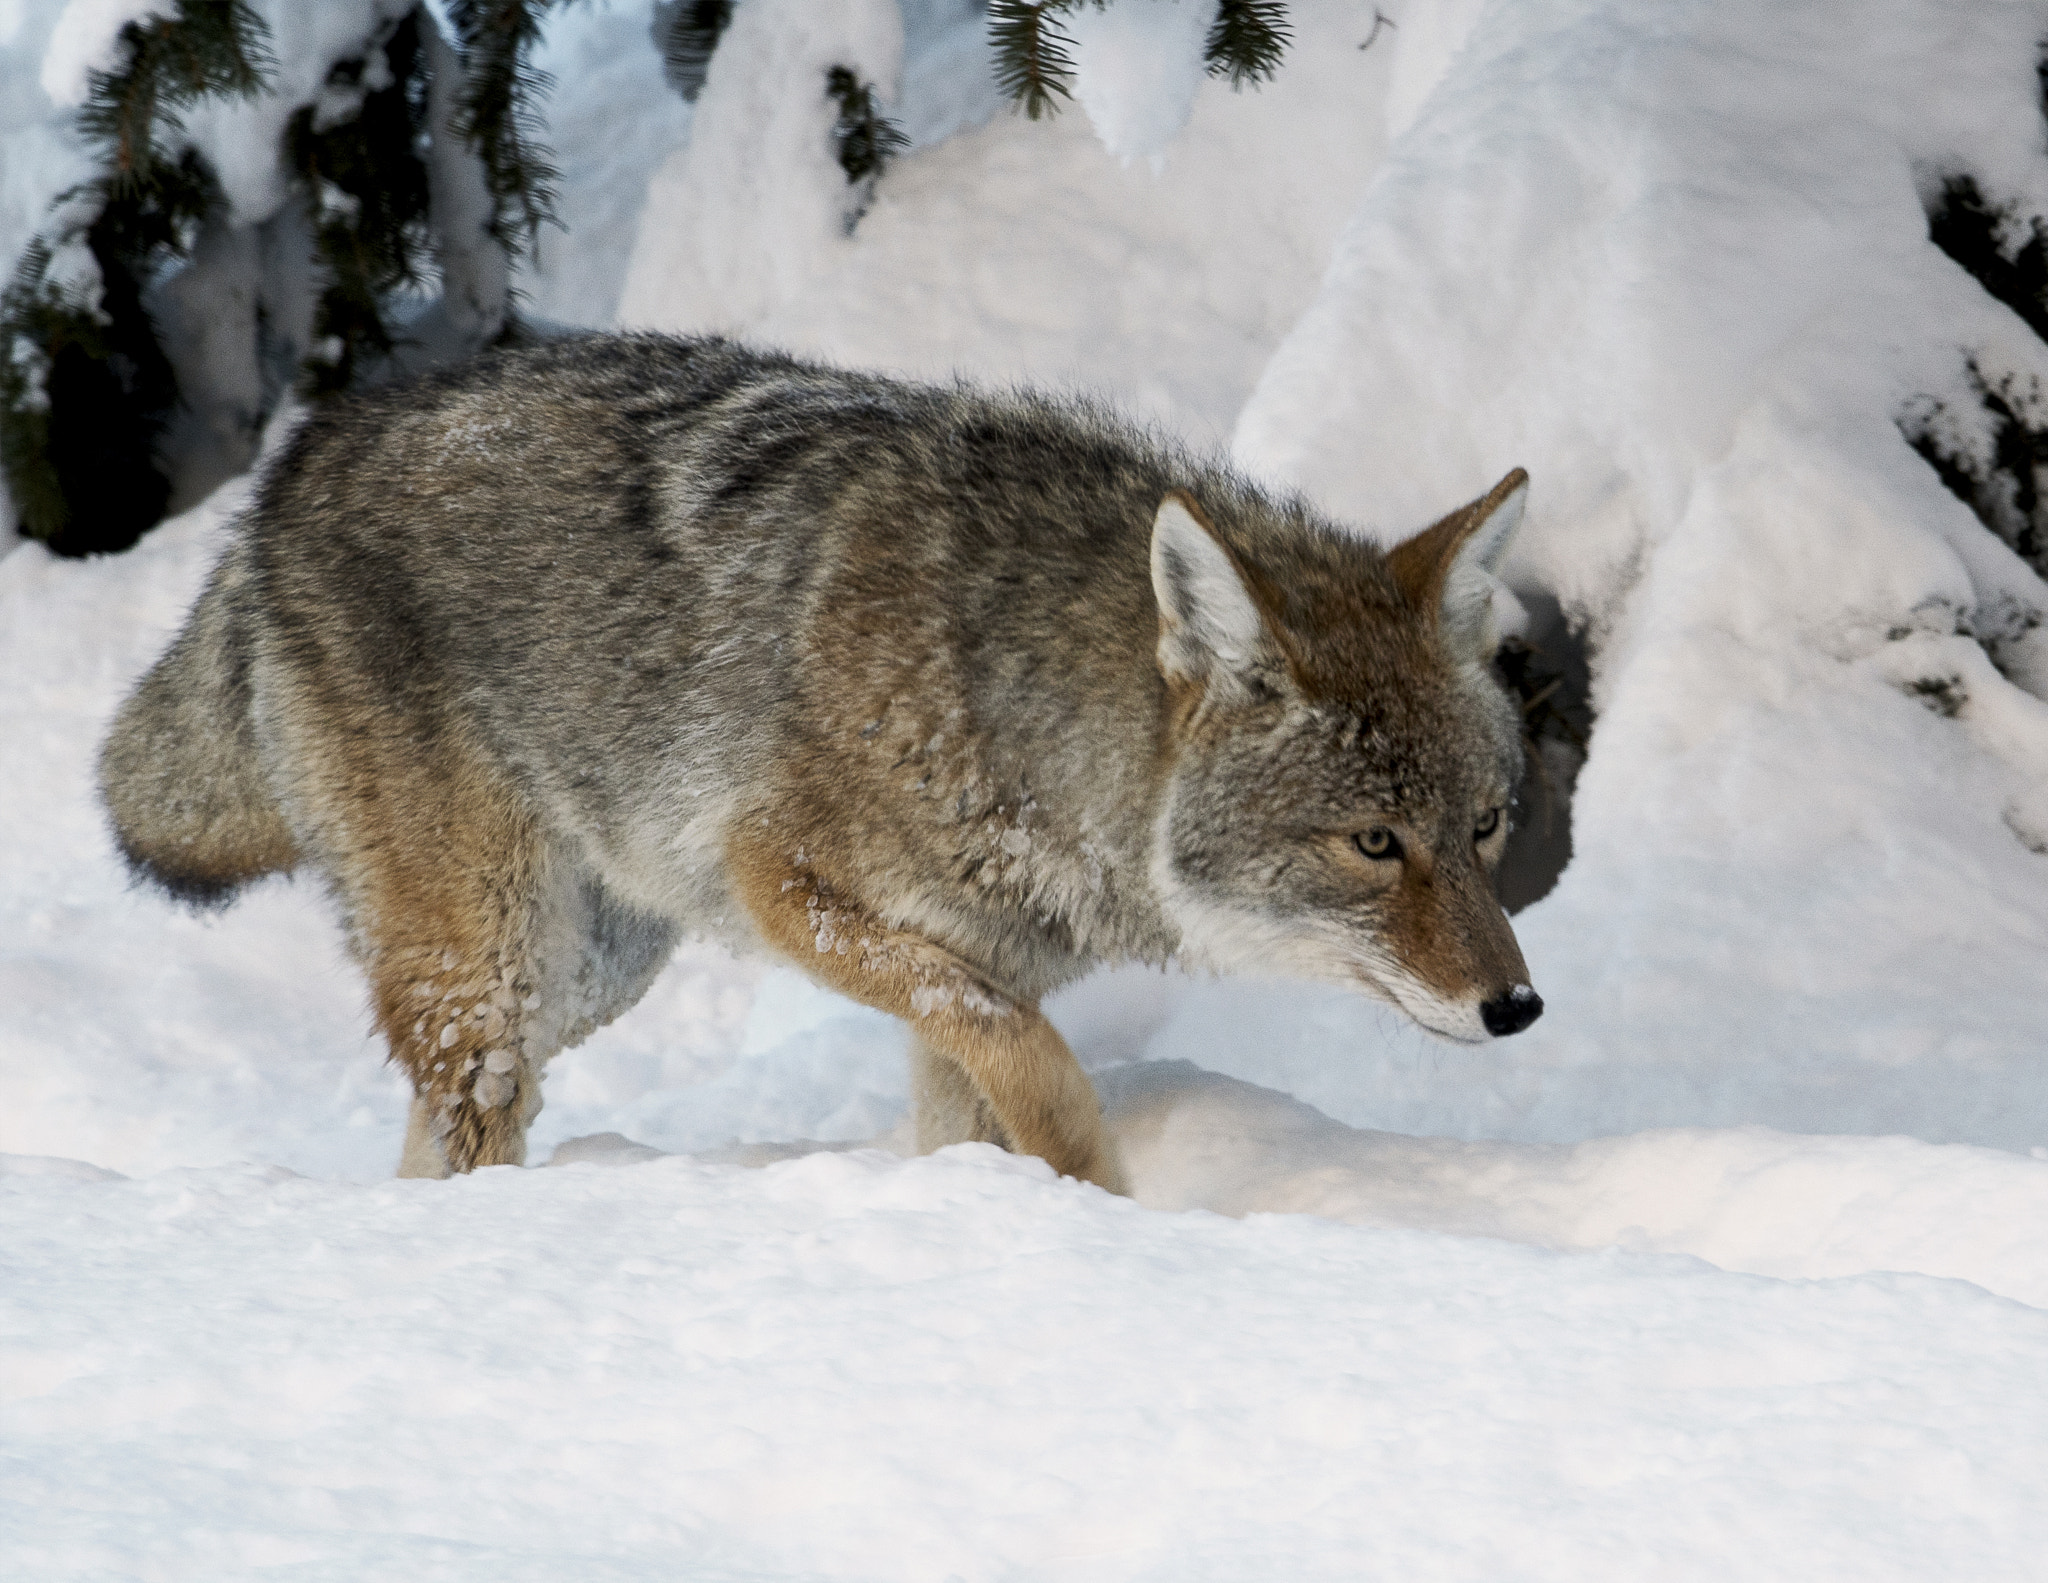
point(1512, 1012)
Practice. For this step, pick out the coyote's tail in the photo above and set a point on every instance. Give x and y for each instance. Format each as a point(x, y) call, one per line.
point(180, 771)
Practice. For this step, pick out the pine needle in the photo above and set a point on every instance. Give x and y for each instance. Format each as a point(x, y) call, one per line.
point(499, 113)
point(1033, 60)
point(694, 29)
point(866, 138)
point(1248, 40)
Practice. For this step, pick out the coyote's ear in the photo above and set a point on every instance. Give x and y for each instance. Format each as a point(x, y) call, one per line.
point(1447, 569)
point(1208, 620)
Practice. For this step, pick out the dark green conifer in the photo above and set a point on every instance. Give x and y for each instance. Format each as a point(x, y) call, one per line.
point(688, 32)
point(86, 390)
point(208, 47)
point(1247, 40)
point(1034, 63)
point(366, 193)
point(41, 328)
point(866, 139)
point(500, 113)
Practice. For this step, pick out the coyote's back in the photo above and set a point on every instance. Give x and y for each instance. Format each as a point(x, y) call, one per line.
point(944, 696)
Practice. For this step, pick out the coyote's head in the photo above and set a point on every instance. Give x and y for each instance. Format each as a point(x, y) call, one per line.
point(1344, 758)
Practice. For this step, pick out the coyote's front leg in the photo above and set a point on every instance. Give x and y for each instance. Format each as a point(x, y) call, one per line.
point(1036, 1093)
point(946, 1105)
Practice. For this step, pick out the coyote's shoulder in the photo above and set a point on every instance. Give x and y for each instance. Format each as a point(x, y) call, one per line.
point(944, 694)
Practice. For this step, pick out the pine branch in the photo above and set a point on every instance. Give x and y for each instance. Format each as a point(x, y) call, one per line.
point(867, 139)
point(367, 195)
point(36, 323)
point(209, 47)
point(499, 115)
point(1033, 59)
point(694, 28)
point(1248, 40)
point(85, 390)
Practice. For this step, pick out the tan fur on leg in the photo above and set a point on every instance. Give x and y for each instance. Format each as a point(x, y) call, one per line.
point(947, 1105)
point(1037, 1092)
point(421, 1156)
point(441, 871)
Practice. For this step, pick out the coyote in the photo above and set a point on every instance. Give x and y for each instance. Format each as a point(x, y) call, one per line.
point(944, 696)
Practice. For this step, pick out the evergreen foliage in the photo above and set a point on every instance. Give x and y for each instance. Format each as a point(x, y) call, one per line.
point(1034, 63)
point(867, 140)
point(688, 32)
point(1247, 41)
point(499, 115)
point(209, 47)
point(41, 327)
point(1968, 228)
point(86, 390)
point(366, 190)
point(2003, 487)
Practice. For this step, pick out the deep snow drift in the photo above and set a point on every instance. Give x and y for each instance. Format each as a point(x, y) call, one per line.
point(1734, 1265)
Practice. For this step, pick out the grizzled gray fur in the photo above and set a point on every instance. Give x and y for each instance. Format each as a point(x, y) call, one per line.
point(943, 695)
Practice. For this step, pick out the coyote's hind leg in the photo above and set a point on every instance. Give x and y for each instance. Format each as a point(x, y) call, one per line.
point(452, 896)
point(457, 950)
point(585, 959)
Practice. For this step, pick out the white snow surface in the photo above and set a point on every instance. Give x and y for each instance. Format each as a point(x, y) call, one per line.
point(853, 1366)
point(1735, 1265)
point(609, 112)
point(1137, 65)
point(85, 39)
point(763, 107)
point(1059, 264)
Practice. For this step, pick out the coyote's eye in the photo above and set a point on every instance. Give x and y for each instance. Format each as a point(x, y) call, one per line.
point(1378, 843)
point(1488, 823)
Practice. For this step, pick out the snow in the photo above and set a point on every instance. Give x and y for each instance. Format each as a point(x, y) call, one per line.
point(854, 1366)
point(1732, 1266)
point(1061, 265)
point(763, 107)
point(87, 39)
point(611, 119)
point(1136, 68)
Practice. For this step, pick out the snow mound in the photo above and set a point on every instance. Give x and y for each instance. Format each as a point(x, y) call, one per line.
point(763, 107)
point(1741, 1198)
point(1015, 249)
point(1677, 263)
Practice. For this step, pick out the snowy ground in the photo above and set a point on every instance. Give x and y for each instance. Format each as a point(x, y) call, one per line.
point(856, 1366)
point(1735, 1266)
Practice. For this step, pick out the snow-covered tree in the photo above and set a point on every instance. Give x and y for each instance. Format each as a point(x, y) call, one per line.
point(157, 318)
point(282, 196)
